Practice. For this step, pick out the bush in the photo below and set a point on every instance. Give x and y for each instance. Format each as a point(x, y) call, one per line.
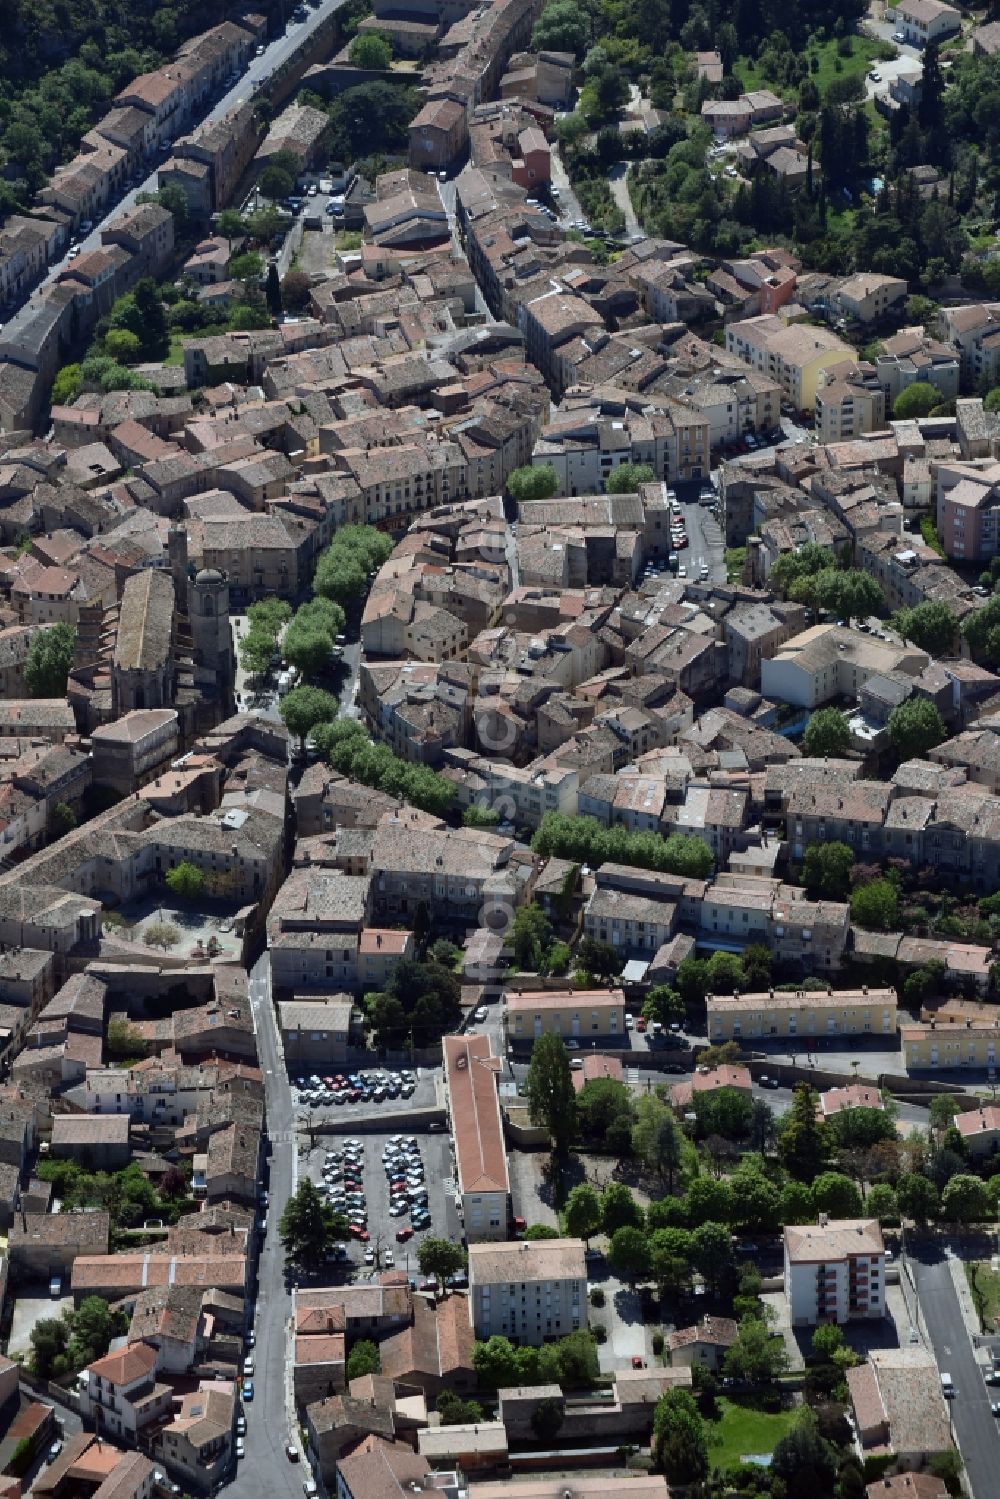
point(600, 1332)
point(657, 1343)
point(597, 1296)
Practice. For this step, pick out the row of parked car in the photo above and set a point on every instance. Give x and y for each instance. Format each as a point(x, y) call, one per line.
point(355, 1087)
point(404, 1172)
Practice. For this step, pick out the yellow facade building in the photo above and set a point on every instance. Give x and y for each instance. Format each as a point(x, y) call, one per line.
point(802, 1013)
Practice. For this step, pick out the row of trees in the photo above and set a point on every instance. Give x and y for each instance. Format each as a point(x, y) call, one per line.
point(355, 553)
point(346, 747)
point(587, 841)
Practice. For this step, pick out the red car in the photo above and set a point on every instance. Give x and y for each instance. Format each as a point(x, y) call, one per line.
point(402, 1234)
point(640, 1024)
point(396, 1188)
point(680, 544)
point(358, 1233)
point(637, 1362)
point(520, 1224)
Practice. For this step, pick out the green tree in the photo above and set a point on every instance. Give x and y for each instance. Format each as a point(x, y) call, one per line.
point(915, 727)
point(756, 1199)
point(309, 1227)
point(66, 385)
point(931, 626)
point(723, 1111)
point(531, 933)
point(185, 880)
point(708, 1200)
point(656, 1137)
point(231, 225)
point(582, 1212)
point(826, 1341)
point(629, 1253)
point(917, 1197)
point(308, 648)
point(619, 1209)
point(364, 1358)
point(248, 267)
point(875, 906)
point(499, 1365)
point(93, 1329)
point(122, 345)
point(848, 592)
point(49, 1338)
point(626, 478)
point(802, 1140)
point(804, 1461)
point(547, 1420)
point(532, 483)
point(62, 820)
point(50, 657)
point(663, 1004)
point(790, 566)
point(758, 1355)
point(836, 1195)
point(276, 181)
point(712, 1254)
point(826, 734)
point(440, 1258)
point(537, 1231)
point(918, 399)
point(305, 707)
point(372, 51)
point(563, 26)
point(882, 1203)
point(670, 1258)
point(550, 1093)
point(826, 870)
point(454, 1411)
point(124, 1042)
point(679, 1441)
point(256, 649)
point(965, 1200)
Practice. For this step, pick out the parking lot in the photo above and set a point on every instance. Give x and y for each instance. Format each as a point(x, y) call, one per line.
point(372, 1094)
point(422, 1159)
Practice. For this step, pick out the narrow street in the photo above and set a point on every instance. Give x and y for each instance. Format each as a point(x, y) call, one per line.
point(266, 1470)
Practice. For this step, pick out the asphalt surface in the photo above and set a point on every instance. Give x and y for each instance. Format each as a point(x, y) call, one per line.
point(259, 71)
point(973, 1424)
point(266, 1470)
point(705, 543)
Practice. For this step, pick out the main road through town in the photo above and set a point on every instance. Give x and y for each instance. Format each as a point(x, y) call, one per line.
point(266, 1470)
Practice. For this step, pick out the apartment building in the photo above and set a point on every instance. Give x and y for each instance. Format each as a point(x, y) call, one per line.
point(834, 1271)
point(849, 402)
point(980, 1129)
point(923, 21)
point(439, 134)
point(832, 661)
point(944, 1046)
point(797, 355)
point(909, 356)
point(394, 483)
point(578, 1015)
point(802, 1014)
point(969, 518)
point(974, 332)
point(471, 1073)
point(528, 1292)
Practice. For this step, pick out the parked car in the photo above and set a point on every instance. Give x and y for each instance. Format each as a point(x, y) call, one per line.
point(248, 1390)
point(241, 1447)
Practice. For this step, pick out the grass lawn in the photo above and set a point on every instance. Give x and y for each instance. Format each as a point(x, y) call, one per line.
point(864, 56)
point(175, 354)
point(741, 1429)
point(984, 1283)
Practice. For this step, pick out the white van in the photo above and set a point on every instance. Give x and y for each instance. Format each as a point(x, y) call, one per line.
point(947, 1386)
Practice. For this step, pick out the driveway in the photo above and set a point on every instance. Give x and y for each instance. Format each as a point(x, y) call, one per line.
point(620, 193)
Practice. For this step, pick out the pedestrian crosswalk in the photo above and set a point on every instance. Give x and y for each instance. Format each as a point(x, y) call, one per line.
point(632, 1076)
